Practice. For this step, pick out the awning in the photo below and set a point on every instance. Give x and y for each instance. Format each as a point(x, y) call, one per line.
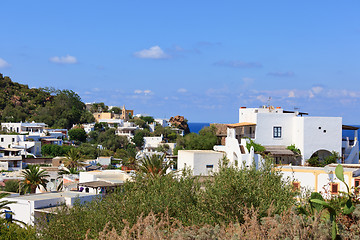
point(348, 127)
point(278, 150)
point(97, 184)
point(242, 124)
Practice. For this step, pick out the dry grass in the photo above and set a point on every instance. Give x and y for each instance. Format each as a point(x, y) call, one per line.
point(288, 225)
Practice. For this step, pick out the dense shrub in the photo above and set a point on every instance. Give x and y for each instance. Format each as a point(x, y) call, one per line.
point(51, 150)
point(221, 199)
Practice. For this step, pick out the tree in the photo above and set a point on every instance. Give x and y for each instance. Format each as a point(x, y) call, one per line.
point(77, 134)
point(73, 159)
point(138, 138)
point(4, 203)
point(34, 177)
point(153, 167)
point(116, 110)
point(12, 186)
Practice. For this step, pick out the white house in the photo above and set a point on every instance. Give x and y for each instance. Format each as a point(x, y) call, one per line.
point(319, 136)
point(100, 180)
point(10, 160)
point(31, 208)
point(127, 129)
point(322, 180)
point(20, 142)
point(24, 128)
point(200, 162)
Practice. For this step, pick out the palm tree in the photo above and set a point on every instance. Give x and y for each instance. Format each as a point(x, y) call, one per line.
point(73, 159)
point(4, 203)
point(153, 166)
point(34, 177)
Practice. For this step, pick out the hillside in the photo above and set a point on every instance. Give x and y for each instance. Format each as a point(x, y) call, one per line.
point(57, 108)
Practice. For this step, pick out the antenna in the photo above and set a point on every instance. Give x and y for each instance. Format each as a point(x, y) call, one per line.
point(268, 101)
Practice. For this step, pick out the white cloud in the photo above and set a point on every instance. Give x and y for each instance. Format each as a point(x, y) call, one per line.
point(145, 92)
point(291, 94)
point(64, 60)
point(182, 90)
point(3, 63)
point(317, 89)
point(311, 94)
point(262, 98)
point(238, 64)
point(154, 52)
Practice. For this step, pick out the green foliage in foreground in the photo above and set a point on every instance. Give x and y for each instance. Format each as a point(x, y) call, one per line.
point(12, 231)
point(223, 199)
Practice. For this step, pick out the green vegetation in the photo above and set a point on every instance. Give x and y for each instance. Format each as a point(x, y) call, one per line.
point(314, 161)
point(294, 149)
point(51, 150)
point(77, 134)
point(231, 192)
point(205, 140)
point(153, 167)
point(34, 177)
point(57, 108)
point(258, 148)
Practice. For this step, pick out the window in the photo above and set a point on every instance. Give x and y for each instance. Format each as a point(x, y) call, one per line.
point(2, 139)
point(209, 168)
point(277, 132)
point(13, 139)
point(357, 185)
point(334, 188)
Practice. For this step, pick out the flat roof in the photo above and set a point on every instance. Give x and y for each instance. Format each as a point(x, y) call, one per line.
point(200, 151)
point(50, 195)
point(331, 168)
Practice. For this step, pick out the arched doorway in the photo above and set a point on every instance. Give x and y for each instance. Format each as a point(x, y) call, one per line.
point(321, 154)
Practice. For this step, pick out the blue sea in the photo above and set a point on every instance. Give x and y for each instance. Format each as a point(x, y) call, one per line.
point(196, 127)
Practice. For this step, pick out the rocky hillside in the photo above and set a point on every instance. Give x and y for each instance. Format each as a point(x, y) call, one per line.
point(180, 122)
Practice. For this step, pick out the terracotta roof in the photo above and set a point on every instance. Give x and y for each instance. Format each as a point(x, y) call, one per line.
point(242, 124)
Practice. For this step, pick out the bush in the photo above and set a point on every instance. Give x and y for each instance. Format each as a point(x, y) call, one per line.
point(258, 148)
point(231, 191)
point(224, 199)
point(77, 134)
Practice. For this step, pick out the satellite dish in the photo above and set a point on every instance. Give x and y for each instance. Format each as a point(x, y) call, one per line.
point(50, 186)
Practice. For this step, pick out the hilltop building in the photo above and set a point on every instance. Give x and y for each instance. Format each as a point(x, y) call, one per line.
point(111, 115)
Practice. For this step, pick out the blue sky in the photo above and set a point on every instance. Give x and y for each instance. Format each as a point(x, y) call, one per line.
point(199, 59)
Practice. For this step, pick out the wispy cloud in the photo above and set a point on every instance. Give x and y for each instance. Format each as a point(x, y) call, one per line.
point(182, 90)
point(281, 74)
point(145, 92)
point(238, 64)
point(63, 59)
point(4, 64)
point(154, 52)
